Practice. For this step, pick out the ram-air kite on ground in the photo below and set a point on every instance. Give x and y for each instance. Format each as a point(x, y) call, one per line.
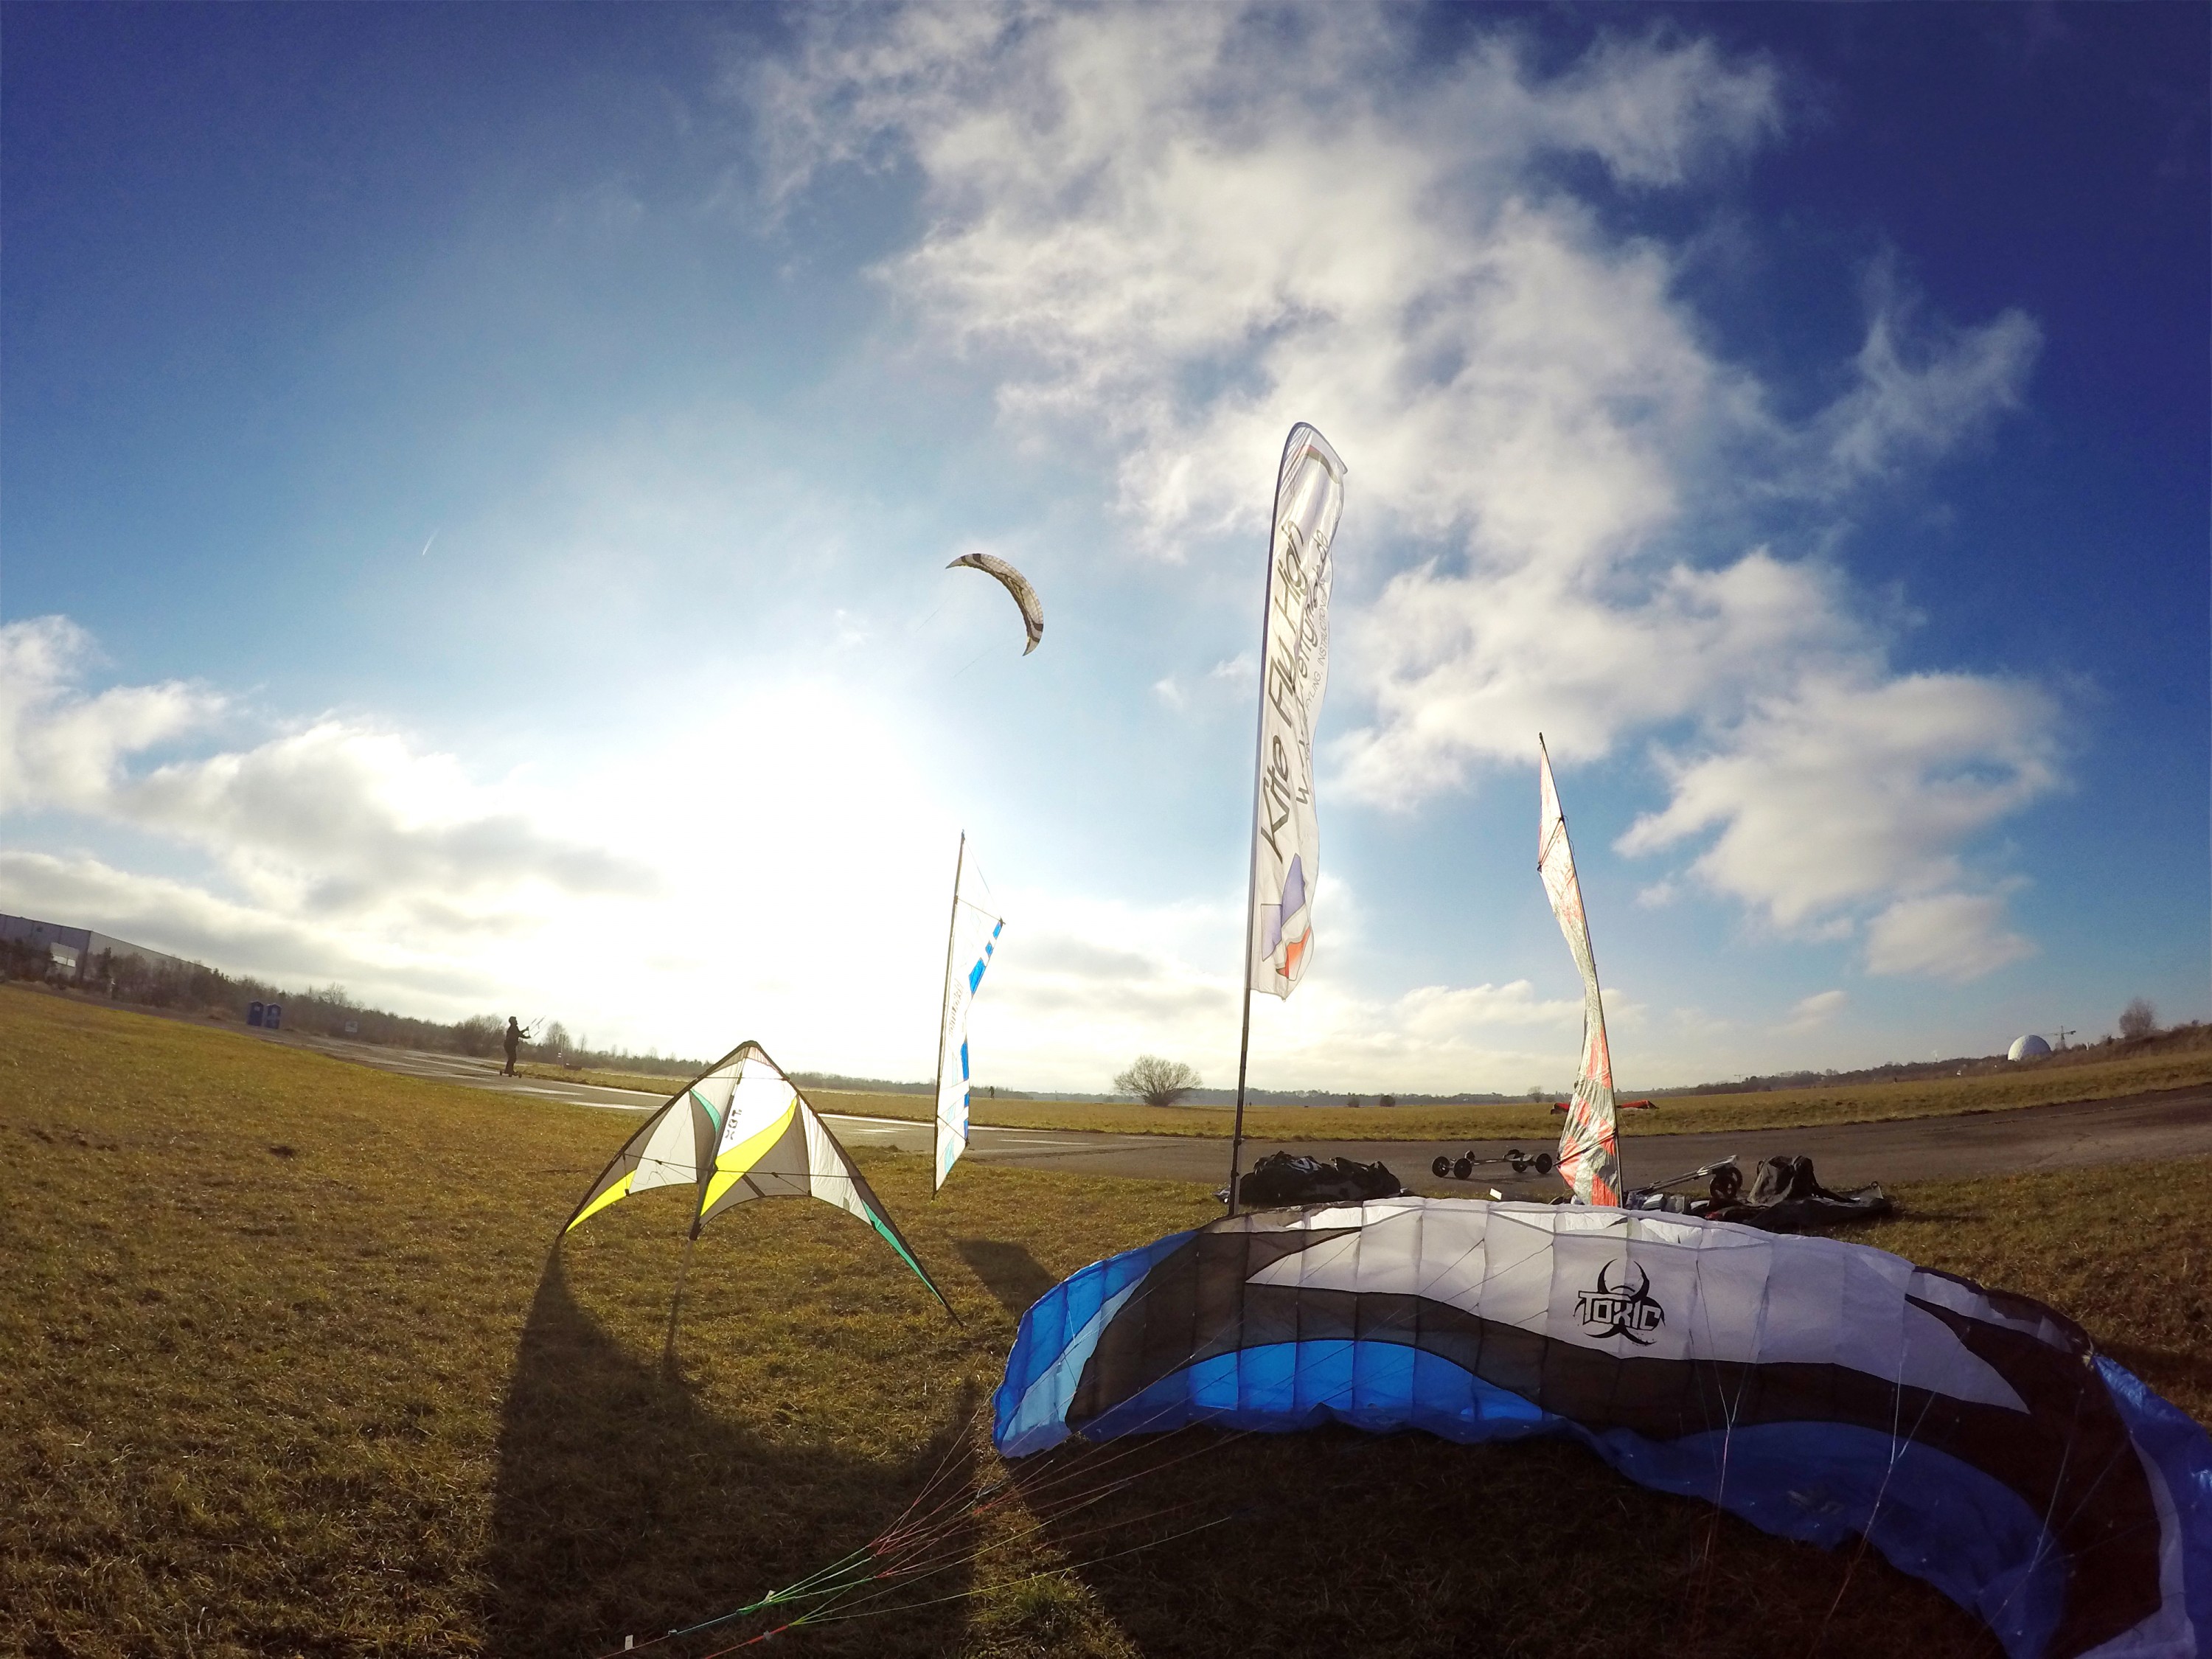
point(1590, 1146)
point(740, 1131)
point(1015, 584)
point(1817, 1388)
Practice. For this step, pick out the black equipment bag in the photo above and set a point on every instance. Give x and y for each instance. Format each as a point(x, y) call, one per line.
point(1283, 1179)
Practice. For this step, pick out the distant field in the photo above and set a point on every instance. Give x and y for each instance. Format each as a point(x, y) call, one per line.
point(1683, 1115)
point(293, 1367)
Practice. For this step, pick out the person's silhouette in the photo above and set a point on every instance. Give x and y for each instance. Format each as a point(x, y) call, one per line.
point(514, 1041)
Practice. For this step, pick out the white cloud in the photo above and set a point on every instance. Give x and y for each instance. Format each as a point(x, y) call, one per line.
point(1922, 387)
point(58, 748)
point(1849, 787)
point(1816, 1009)
point(1183, 226)
point(1953, 936)
point(334, 818)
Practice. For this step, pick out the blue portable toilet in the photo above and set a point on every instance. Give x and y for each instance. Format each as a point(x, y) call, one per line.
point(272, 1016)
point(253, 1013)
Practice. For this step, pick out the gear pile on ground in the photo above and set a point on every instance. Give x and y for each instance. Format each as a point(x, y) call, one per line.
point(1786, 1196)
point(1284, 1178)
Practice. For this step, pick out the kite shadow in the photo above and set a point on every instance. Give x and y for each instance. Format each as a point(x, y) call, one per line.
point(622, 1508)
point(1333, 1542)
point(1008, 1271)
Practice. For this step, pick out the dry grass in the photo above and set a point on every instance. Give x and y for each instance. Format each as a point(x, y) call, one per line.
point(1779, 1108)
point(290, 1370)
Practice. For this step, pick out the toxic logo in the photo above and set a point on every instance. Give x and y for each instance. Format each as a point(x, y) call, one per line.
point(1616, 1310)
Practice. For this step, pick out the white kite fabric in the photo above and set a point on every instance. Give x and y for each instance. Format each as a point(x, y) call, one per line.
point(1293, 674)
point(974, 936)
point(1589, 1147)
point(1015, 584)
point(739, 1131)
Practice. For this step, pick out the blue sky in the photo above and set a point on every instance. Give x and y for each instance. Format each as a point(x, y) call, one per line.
point(477, 482)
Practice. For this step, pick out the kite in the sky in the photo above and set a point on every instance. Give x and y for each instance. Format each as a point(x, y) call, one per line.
point(743, 1131)
point(1015, 584)
point(1817, 1388)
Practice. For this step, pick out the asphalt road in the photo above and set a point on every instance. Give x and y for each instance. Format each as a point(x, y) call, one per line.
point(2171, 1123)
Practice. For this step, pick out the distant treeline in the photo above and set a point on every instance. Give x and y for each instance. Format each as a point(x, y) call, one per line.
point(329, 1010)
point(2193, 1035)
point(318, 1011)
point(876, 1085)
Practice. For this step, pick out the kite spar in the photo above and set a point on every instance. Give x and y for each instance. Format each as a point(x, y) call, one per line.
point(1293, 673)
point(1589, 1147)
point(740, 1131)
point(968, 950)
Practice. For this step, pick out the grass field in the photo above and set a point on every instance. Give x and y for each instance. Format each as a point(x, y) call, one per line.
point(292, 1369)
point(1780, 1109)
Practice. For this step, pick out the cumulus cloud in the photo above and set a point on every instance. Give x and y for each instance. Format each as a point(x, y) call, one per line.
point(60, 748)
point(1183, 225)
point(336, 817)
point(1953, 936)
point(1816, 1009)
point(1849, 787)
point(1068, 998)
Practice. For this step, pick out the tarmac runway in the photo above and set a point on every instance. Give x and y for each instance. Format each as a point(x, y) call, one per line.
point(2171, 1124)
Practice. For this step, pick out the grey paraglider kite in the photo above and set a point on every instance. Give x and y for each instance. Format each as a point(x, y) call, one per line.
point(1015, 584)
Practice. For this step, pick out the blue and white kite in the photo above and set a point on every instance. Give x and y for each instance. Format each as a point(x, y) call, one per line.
point(1819, 1389)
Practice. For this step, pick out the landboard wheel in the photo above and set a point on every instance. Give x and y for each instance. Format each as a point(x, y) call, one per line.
point(1442, 1166)
point(1728, 1184)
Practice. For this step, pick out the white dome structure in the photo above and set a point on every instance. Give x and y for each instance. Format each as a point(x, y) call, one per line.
point(2030, 1047)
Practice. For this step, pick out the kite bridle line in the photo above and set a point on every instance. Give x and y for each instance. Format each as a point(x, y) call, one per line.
point(931, 1529)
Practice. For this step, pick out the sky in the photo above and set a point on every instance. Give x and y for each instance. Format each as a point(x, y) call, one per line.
point(475, 484)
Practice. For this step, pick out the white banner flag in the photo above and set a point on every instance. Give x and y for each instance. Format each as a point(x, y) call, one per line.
point(968, 953)
point(1293, 673)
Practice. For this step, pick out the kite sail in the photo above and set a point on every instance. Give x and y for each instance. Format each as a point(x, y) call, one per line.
point(1293, 674)
point(1015, 584)
point(1818, 1389)
point(973, 935)
point(1590, 1146)
point(743, 1131)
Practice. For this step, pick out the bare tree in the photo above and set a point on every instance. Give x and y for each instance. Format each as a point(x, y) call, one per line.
point(1155, 1081)
point(2138, 1018)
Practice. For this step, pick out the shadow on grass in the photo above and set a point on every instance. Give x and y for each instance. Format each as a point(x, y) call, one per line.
point(621, 1508)
point(2178, 1375)
point(1335, 1542)
point(1008, 1271)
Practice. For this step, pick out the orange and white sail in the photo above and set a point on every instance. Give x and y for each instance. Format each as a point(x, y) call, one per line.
point(1589, 1146)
